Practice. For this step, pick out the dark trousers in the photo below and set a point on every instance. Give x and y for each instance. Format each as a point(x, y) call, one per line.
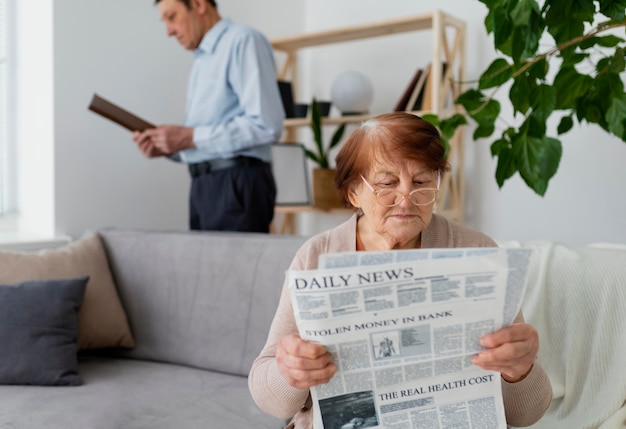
point(239, 198)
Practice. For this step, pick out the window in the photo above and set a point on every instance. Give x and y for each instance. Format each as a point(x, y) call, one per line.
point(5, 99)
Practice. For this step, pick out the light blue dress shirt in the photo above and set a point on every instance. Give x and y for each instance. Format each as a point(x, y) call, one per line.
point(233, 101)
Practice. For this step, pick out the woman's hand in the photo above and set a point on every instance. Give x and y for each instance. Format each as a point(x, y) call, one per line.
point(511, 351)
point(304, 364)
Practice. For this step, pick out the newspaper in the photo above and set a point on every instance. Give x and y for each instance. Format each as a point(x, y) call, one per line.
point(402, 327)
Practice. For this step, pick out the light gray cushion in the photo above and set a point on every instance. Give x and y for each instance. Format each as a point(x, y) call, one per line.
point(39, 330)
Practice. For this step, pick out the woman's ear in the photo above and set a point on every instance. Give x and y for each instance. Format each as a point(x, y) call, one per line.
point(353, 198)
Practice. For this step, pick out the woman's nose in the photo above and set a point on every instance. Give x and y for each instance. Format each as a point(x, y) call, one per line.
point(405, 200)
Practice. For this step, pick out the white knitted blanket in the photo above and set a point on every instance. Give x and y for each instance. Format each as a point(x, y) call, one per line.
point(576, 298)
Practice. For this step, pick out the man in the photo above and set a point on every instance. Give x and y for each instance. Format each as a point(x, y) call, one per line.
point(234, 112)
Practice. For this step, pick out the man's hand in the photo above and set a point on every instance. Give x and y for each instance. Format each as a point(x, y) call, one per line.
point(304, 364)
point(164, 140)
point(511, 351)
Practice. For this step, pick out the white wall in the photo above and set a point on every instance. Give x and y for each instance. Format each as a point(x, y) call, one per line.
point(34, 120)
point(118, 48)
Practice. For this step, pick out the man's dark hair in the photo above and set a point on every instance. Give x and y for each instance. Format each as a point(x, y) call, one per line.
point(186, 3)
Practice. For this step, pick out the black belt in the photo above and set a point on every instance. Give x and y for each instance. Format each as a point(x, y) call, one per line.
point(205, 167)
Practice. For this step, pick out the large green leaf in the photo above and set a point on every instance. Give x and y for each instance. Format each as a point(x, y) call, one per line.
point(502, 30)
point(616, 115)
point(449, 125)
point(612, 64)
point(483, 110)
point(594, 105)
point(337, 136)
point(431, 119)
point(489, 20)
point(565, 125)
point(570, 85)
point(614, 9)
point(534, 125)
point(588, 109)
point(576, 58)
point(506, 167)
point(520, 93)
point(544, 102)
point(538, 69)
point(471, 100)
point(525, 38)
point(537, 160)
point(321, 154)
point(314, 157)
point(316, 126)
point(500, 145)
point(524, 88)
point(565, 19)
point(609, 41)
point(524, 11)
point(498, 72)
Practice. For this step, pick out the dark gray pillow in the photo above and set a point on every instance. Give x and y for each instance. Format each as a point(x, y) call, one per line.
point(39, 331)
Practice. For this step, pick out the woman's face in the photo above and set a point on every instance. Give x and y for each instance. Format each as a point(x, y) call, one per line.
point(400, 226)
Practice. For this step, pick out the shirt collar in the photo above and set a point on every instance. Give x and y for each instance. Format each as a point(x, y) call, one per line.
point(210, 39)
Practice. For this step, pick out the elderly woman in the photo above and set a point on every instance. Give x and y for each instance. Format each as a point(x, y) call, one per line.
point(389, 170)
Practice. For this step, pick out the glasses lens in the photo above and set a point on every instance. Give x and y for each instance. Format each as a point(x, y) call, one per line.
point(422, 197)
point(419, 197)
point(388, 198)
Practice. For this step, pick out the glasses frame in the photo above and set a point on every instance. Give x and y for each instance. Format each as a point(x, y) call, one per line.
point(404, 196)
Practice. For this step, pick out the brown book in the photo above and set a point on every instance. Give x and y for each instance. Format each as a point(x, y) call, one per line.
point(402, 103)
point(427, 102)
point(118, 115)
point(415, 102)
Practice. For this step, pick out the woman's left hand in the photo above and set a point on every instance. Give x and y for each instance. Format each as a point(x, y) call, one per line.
point(511, 351)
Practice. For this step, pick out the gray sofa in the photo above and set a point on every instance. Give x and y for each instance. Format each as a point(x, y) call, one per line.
point(199, 305)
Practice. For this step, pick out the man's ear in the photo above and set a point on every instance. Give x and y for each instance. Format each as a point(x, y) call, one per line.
point(199, 6)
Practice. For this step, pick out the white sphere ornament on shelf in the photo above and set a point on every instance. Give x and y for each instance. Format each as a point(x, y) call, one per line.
point(352, 93)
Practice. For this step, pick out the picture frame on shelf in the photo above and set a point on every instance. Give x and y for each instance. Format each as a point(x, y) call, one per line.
point(286, 95)
point(416, 102)
point(289, 167)
point(406, 95)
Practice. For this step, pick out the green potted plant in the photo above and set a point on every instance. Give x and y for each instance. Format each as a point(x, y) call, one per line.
point(324, 193)
point(580, 78)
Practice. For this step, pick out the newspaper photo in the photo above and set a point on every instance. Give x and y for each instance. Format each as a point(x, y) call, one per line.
point(402, 327)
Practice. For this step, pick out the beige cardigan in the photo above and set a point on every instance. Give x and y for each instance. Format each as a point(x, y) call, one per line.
point(525, 402)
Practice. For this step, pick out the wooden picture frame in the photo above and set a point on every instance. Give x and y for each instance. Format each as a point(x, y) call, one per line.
point(290, 171)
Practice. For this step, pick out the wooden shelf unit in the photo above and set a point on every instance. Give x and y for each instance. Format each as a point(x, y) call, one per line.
point(448, 47)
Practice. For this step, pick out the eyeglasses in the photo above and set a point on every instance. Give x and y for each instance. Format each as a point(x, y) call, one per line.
point(418, 197)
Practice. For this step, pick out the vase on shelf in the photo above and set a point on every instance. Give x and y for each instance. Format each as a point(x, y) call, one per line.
point(300, 110)
point(324, 107)
point(325, 195)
